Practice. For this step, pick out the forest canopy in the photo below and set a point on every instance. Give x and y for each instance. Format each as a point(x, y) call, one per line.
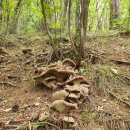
point(25, 16)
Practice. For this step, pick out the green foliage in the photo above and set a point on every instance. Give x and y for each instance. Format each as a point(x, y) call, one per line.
point(40, 124)
point(107, 70)
point(87, 114)
point(84, 70)
point(30, 17)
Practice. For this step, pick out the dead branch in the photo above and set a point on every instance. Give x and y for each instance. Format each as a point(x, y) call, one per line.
point(8, 84)
point(124, 102)
point(124, 62)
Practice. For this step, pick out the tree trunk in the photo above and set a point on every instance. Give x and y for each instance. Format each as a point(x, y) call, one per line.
point(1, 6)
point(85, 15)
point(7, 18)
point(129, 15)
point(69, 14)
point(77, 17)
point(14, 23)
point(64, 12)
point(84, 4)
point(114, 12)
point(46, 27)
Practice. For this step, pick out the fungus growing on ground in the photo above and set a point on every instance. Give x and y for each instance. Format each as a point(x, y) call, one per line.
point(61, 75)
point(59, 95)
point(77, 80)
point(68, 63)
point(52, 76)
point(63, 106)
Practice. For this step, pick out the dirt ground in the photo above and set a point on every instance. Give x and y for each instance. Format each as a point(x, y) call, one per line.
point(22, 102)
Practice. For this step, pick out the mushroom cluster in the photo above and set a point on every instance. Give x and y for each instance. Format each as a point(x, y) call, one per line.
point(70, 88)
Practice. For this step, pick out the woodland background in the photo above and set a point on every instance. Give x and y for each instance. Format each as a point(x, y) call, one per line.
point(25, 16)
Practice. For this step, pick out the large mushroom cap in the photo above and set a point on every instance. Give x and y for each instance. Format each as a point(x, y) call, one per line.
point(74, 88)
point(59, 95)
point(77, 80)
point(60, 74)
point(69, 63)
point(63, 106)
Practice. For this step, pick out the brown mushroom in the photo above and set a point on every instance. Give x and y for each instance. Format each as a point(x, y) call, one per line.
point(84, 89)
point(74, 88)
point(61, 75)
point(59, 95)
point(63, 106)
point(68, 63)
point(77, 80)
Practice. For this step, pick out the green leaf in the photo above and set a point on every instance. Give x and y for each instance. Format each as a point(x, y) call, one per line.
point(40, 124)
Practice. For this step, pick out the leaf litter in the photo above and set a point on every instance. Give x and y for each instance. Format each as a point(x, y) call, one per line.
point(27, 102)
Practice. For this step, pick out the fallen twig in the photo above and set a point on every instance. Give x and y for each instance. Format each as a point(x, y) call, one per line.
point(17, 127)
point(124, 102)
point(30, 128)
point(8, 84)
point(121, 62)
point(116, 97)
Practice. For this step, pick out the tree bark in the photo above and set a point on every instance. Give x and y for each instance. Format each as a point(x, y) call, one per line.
point(1, 6)
point(64, 12)
point(84, 4)
point(77, 17)
point(14, 23)
point(69, 14)
point(85, 15)
point(129, 16)
point(114, 12)
point(46, 27)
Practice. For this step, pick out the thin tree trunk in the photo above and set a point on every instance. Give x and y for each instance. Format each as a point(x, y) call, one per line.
point(14, 23)
point(77, 17)
point(85, 15)
point(82, 38)
point(129, 16)
point(69, 25)
point(55, 16)
point(1, 6)
point(83, 25)
point(114, 12)
point(7, 19)
point(64, 12)
point(46, 27)
point(69, 14)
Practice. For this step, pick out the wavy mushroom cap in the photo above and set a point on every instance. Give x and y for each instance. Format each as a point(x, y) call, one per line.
point(74, 88)
point(59, 95)
point(77, 80)
point(69, 63)
point(63, 106)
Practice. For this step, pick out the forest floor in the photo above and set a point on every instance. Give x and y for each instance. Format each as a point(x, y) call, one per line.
point(25, 106)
